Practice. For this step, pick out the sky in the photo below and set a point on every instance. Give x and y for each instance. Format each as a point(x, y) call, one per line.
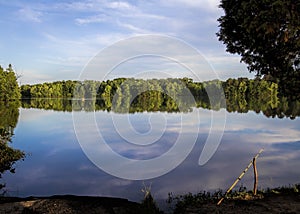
point(54, 40)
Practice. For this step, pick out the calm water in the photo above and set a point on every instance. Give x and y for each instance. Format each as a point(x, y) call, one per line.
point(56, 164)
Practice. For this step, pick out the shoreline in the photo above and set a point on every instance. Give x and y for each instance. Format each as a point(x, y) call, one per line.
point(280, 200)
point(68, 204)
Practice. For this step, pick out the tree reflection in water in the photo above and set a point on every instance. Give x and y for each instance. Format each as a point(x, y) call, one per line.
point(9, 113)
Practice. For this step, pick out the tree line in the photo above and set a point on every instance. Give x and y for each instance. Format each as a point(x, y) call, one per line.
point(124, 95)
point(88, 89)
point(170, 95)
point(58, 89)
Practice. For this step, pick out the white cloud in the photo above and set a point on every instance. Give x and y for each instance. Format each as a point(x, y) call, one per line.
point(208, 5)
point(95, 5)
point(88, 26)
point(30, 76)
point(88, 42)
point(67, 61)
point(119, 5)
point(93, 19)
point(77, 51)
point(266, 131)
point(71, 52)
point(28, 14)
point(143, 15)
point(133, 28)
point(123, 15)
point(79, 6)
point(222, 58)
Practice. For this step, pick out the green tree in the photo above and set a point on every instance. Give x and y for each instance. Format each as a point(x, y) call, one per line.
point(9, 88)
point(266, 33)
point(171, 95)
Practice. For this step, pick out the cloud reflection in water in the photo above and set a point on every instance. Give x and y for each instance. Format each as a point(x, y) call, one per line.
point(57, 165)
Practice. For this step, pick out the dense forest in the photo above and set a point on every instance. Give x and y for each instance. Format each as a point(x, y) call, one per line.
point(124, 95)
point(241, 88)
point(171, 95)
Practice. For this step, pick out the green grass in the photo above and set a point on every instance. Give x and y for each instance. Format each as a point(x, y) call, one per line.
point(178, 203)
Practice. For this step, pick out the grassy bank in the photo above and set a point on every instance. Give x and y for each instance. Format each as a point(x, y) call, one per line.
point(278, 200)
point(284, 199)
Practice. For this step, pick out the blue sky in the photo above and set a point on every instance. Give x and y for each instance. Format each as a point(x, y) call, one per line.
point(54, 40)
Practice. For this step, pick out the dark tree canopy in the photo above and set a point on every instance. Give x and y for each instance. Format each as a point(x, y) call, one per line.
point(266, 33)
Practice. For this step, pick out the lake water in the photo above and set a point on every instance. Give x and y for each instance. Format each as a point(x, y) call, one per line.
point(56, 164)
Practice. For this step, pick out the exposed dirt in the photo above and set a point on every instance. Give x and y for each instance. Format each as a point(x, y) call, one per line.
point(69, 204)
point(101, 205)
